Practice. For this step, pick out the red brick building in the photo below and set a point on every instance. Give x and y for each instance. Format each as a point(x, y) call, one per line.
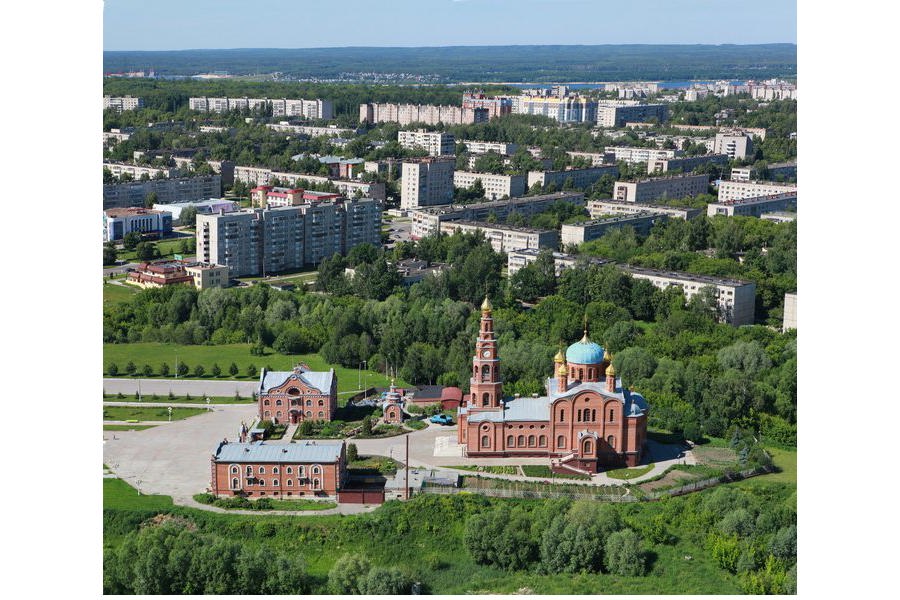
point(306, 468)
point(392, 405)
point(297, 395)
point(587, 420)
point(160, 273)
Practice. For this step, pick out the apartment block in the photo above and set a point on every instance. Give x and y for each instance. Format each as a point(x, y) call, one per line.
point(578, 233)
point(114, 136)
point(168, 191)
point(259, 176)
point(283, 107)
point(506, 237)
point(566, 109)
point(501, 148)
point(495, 186)
point(203, 207)
point(686, 164)
point(435, 142)
point(647, 190)
point(634, 156)
point(616, 114)
point(120, 103)
point(790, 312)
point(786, 169)
point(736, 300)
point(207, 276)
point(576, 178)
point(753, 207)
point(740, 190)
point(600, 208)
point(735, 144)
point(427, 181)
point(136, 171)
point(260, 241)
point(495, 106)
point(597, 158)
point(404, 114)
point(427, 221)
point(119, 222)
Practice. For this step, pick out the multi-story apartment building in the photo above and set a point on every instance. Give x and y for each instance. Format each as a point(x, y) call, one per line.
point(779, 217)
point(120, 103)
point(685, 164)
point(283, 107)
point(307, 468)
point(114, 136)
point(207, 276)
point(576, 178)
point(616, 114)
point(753, 207)
point(203, 207)
point(168, 191)
point(786, 169)
point(599, 208)
point(404, 114)
point(566, 109)
point(636, 155)
point(740, 190)
point(119, 222)
point(495, 186)
point(735, 299)
point(259, 241)
point(437, 143)
point(427, 221)
point(597, 158)
point(735, 144)
point(427, 181)
point(647, 190)
point(136, 171)
point(310, 130)
point(506, 237)
point(790, 312)
point(501, 148)
point(258, 176)
point(496, 106)
point(578, 233)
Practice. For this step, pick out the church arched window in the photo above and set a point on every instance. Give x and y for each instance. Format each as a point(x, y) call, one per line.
point(510, 441)
point(611, 440)
point(561, 441)
point(485, 399)
point(531, 441)
point(485, 441)
point(521, 440)
point(542, 441)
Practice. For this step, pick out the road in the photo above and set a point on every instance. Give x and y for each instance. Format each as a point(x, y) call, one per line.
point(179, 387)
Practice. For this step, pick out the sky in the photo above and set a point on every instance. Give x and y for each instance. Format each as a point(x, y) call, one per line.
point(196, 24)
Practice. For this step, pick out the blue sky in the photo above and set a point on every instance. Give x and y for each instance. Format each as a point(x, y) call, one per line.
point(190, 24)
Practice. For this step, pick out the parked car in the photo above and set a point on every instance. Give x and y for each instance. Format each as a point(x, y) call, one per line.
point(442, 419)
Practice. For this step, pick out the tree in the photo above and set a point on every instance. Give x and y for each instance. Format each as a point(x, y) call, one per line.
point(367, 425)
point(199, 371)
point(131, 368)
point(624, 555)
point(112, 369)
point(109, 253)
point(747, 357)
point(151, 199)
point(620, 335)
point(216, 371)
point(634, 364)
point(147, 370)
point(182, 369)
point(385, 581)
point(347, 575)
point(147, 251)
point(252, 371)
point(352, 452)
point(131, 240)
point(188, 216)
point(233, 370)
point(164, 369)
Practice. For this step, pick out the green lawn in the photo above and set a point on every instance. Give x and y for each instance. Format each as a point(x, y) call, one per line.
point(126, 413)
point(119, 495)
point(115, 294)
point(126, 427)
point(155, 354)
point(166, 248)
point(630, 473)
point(496, 469)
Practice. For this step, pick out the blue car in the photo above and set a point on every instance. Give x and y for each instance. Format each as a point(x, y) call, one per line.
point(442, 419)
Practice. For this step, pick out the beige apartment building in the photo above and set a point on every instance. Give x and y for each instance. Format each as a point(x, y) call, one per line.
point(427, 181)
point(257, 176)
point(437, 143)
point(685, 164)
point(501, 148)
point(404, 114)
point(136, 171)
point(735, 144)
point(495, 186)
point(599, 208)
point(578, 233)
point(753, 207)
point(506, 237)
point(577, 178)
point(207, 276)
point(120, 103)
point(647, 190)
point(741, 190)
point(637, 155)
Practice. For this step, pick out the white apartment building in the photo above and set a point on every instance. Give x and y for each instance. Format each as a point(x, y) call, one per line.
point(577, 178)
point(637, 155)
point(437, 143)
point(175, 189)
point(790, 312)
point(684, 163)
point(740, 190)
point(600, 208)
point(735, 144)
point(596, 158)
point(736, 300)
point(114, 136)
point(430, 114)
point(647, 190)
point(505, 237)
point(136, 171)
point(495, 186)
point(616, 114)
point(753, 207)
point(501, 148)
point(310, 130)
point(578, 233)
point(427, 181)
point(427, 221)
point(283, 107)
point(120, 103)
point(566, 109)
point(261, 176)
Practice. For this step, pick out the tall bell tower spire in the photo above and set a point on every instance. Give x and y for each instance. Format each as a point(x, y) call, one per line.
point(485, 385)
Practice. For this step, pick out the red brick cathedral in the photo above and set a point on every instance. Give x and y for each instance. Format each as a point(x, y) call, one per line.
point(587, 420)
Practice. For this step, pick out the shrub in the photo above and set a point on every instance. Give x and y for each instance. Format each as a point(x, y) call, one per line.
point(352, 452)
point(182, 369)
point(233, 369)
point(147, 370)
point(386, 581)
point(131, 368)
point(216, 370)
point(348, 574)
point(738, 522)
point(164, 369)
point(251, 371)
point(624, 554)
point(264, 504)
point(199, 371)
point(205, 498)
point(784, 543)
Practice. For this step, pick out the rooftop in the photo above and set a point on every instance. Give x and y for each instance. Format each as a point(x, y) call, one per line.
point(498, 226)
point(305, 451)
point(132, 211)
point(615, 219)
point(707, 279)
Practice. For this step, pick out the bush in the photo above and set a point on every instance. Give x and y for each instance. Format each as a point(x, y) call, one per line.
point(784, 543)
point(147, 370)
point(205, 498)
point(251, 371)
point(112, 369)
point(164, 369)
point(348, 573)
point(131, 368)
point(738, 522)
point(182, 369)
point(233, 370)
point(216, 370)
point(199, 371)
point(385, 581)
point(352, 453)
point(624, 554)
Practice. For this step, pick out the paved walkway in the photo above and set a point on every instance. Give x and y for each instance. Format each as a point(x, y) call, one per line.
point(179, 387)
point(172, 404)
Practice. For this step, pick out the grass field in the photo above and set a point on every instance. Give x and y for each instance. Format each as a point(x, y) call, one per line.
point(126, 427)
point(120, 496)
point(166, 248)
point(125, 413)
point(497, 469)
point(156, 354)
point(115, 294)
point(627, 474)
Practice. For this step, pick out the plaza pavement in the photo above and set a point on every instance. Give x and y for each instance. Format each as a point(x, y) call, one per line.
point(174, 459)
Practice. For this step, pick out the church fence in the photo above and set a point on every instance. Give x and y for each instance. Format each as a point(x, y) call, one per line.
point(694, 486)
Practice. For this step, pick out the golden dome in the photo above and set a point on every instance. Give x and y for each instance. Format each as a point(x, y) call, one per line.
point(486, 305)
point(610, 371)
point(606, 355)
point(562, 370)
point(559, 357)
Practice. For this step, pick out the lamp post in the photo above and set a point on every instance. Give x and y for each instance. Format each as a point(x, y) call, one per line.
point(176, 366)
point(170, 414)
point(207, 403)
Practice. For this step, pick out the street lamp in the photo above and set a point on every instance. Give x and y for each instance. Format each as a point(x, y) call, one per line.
point(207, 403)
point(170, 414)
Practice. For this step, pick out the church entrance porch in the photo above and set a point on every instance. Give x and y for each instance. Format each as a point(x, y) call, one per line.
point(295, 417)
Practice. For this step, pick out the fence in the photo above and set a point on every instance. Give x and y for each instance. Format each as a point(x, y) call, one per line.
point(580, 495)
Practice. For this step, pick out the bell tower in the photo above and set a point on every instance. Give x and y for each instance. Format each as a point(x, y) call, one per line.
point(485, 385)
